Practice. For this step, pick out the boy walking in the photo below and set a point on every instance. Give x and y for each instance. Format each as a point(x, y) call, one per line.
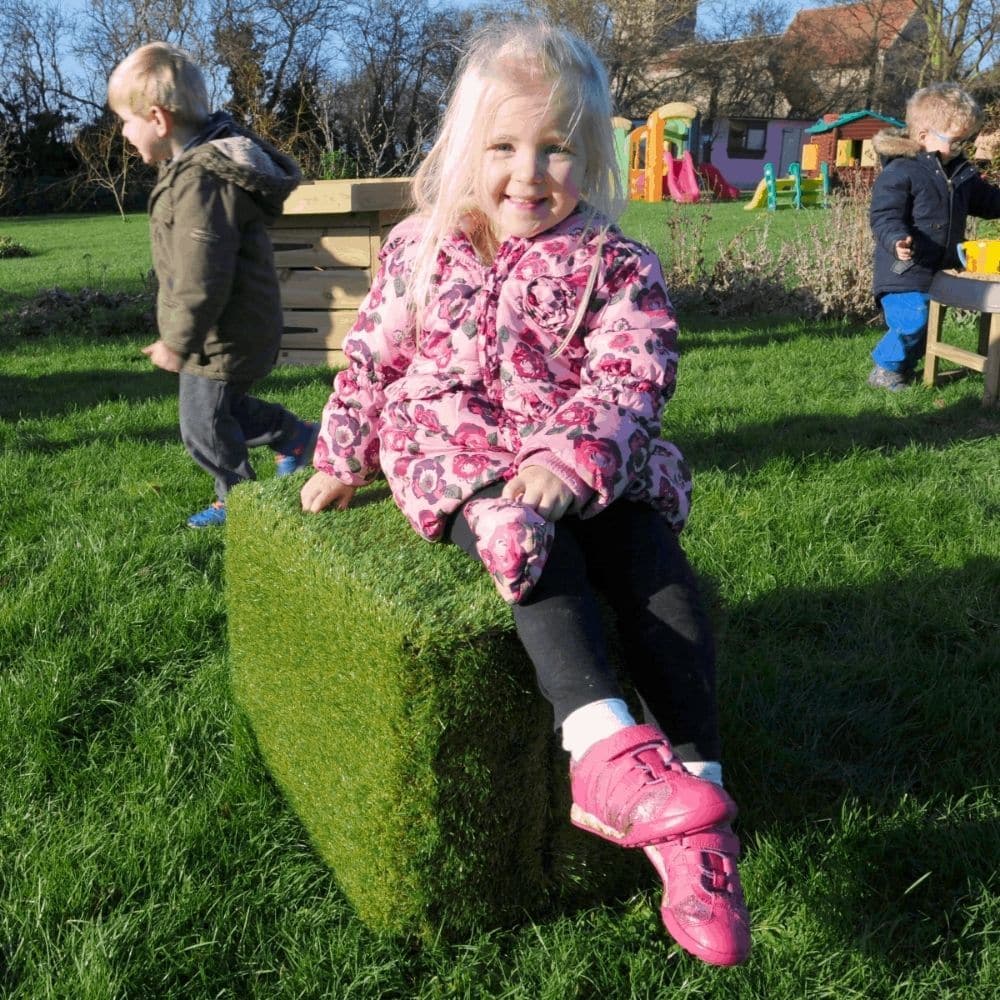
point(920, 203)
point(218, 308)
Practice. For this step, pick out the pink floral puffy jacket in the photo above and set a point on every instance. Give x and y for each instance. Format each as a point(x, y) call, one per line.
point(479, 393)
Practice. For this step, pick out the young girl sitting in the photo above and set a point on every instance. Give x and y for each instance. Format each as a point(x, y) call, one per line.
point(507, 374)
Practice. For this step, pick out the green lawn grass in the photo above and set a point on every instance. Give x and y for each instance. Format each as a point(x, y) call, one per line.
point(722, 222)
point(850, 541)
point(74, 252)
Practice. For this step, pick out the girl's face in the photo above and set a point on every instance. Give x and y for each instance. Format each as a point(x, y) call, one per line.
point(532, 173)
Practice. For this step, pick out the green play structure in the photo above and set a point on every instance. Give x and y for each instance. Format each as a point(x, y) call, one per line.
point(793, 191)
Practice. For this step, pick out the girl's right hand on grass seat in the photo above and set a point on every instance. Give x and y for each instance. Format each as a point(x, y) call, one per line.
point(324, 491)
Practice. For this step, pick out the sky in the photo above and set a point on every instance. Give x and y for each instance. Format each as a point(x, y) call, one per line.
point(792, 7)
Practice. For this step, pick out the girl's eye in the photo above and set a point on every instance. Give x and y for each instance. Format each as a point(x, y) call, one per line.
point(500, 147)
point(558, 149)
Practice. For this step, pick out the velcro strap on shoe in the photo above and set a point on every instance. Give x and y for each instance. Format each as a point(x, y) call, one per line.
point(633, 739)
point(721, 841)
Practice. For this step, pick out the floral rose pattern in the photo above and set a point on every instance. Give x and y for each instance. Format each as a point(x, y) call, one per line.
point(477, 389)
point(513, 542)
point(549, 304)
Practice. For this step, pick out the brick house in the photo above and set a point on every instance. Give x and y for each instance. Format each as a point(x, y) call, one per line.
point(758, 96)
point(857, 55)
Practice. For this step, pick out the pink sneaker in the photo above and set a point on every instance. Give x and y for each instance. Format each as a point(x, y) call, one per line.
point(632, 790)
point(513, 541)
point(703, 906)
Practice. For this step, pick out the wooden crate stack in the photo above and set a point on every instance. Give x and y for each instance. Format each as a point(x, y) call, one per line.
point(326, 248)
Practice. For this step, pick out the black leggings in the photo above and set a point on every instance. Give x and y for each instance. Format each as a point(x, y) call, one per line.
point(628, 556)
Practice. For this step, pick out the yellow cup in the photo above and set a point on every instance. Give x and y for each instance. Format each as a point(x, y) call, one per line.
point(980, 256)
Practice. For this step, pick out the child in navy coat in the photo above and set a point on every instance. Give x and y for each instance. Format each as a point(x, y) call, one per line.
point(920, 203)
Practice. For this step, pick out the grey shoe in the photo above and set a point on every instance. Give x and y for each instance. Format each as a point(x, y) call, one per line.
point(883, 378)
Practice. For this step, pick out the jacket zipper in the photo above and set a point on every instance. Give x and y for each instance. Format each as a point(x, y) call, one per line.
point(951, 203)
point(951, 210)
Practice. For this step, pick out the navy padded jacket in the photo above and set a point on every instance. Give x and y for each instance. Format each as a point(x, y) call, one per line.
point(915, 195)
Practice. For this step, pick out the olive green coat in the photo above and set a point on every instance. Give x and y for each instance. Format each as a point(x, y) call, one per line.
point(218, 304)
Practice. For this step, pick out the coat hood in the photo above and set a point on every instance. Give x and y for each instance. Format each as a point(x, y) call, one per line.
point(234, 154)
point(892, 142)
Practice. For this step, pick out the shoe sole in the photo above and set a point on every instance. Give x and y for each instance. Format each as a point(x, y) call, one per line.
point(592, 824)
point(709, 956)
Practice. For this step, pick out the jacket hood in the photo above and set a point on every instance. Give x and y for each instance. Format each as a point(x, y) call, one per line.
point(895, 142)
point(234, 154)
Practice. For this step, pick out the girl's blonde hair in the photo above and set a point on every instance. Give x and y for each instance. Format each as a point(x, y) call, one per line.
point(520, 53)
point(160, 75)
point(944, 106)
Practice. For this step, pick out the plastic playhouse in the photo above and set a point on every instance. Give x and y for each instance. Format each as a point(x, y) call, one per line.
point(793, 191)
point(620, 128)
point(660, 163)
point(839, 145)
point(843, 143)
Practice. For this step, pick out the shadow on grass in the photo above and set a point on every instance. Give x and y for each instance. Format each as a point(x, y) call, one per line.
point(874, 692)
point(859, 728)
point(297, 377)
point(31, 397)
point(37, 444)
point(912, 892)
point(751, 446)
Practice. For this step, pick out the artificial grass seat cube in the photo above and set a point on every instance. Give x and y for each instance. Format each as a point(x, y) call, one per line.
point(394, 706)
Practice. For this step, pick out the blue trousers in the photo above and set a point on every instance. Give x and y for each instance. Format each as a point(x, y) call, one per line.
point(903, 344)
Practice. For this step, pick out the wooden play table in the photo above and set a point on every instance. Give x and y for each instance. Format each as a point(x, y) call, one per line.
point(979, 293)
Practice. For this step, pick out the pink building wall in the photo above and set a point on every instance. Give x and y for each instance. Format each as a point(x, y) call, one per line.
point(782, 134)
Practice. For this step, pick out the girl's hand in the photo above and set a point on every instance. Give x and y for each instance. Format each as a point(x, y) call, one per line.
point(537, 487)
point(904, 248)
point(323, 491)
point(163, 356)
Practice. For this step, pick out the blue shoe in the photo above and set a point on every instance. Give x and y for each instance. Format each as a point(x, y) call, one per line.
point(209, 517)
point(301, 451)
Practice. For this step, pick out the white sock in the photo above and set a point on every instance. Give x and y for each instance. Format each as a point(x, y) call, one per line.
point(710, 770)
point(594, 722)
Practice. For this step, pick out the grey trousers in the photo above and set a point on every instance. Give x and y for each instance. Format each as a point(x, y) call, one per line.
point(220, 421)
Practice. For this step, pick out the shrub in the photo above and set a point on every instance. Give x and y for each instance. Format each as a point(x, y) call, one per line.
point(335, 164)
point(10, 248)
point(833, 261)
point(822, 273)
point(750, 277)
point(87, 311)
point(684, 264)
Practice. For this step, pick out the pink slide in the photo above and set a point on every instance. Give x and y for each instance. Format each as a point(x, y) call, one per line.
point(682, 183)
point(720, 187)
